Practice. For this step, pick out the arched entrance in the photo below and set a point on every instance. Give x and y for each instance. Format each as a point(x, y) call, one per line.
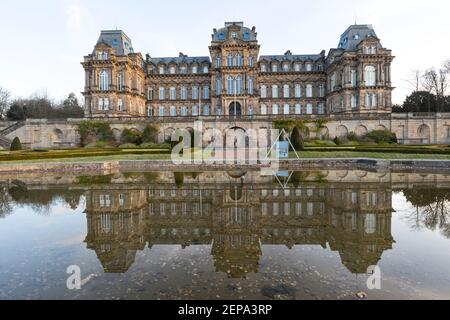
point(235, 109)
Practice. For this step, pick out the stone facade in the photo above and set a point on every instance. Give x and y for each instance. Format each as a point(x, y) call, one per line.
point(235, 87)
point(235, 81)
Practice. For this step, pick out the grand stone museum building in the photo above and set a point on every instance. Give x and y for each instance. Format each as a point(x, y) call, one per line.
point(235, 80)
point(235, 87)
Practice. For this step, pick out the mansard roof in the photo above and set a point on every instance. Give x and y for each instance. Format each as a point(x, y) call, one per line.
point(179, 60)
point(118, 40)
point(291, 57)
point(354, 35)
point(243, 33)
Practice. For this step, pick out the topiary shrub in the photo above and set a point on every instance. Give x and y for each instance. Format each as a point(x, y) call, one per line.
point(131, 136)
point(150, 134)
point(382, 136)
point(93, 131)
point(297, 139)
point(16, 145)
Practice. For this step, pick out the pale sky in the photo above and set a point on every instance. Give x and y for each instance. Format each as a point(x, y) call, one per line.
point(43, 42)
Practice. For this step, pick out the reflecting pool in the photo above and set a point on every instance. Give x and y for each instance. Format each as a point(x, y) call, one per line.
point(225, 235)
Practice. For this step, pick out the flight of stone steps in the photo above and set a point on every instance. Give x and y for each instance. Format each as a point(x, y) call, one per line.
point(5, 143)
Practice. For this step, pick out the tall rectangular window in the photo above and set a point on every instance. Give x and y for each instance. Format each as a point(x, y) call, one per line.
point(353, 78)
point(206, 92)
point(183, 93)
point(150, 93)
point(195, 93)
point(173, 93)
point(250, 86)
point(161, 93)
point(298, 91)
point(309, 108)
point(120, 105)
point(286, 91)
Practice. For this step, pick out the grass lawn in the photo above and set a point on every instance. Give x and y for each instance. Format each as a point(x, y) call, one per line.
point(374, 155)
point(117, 154)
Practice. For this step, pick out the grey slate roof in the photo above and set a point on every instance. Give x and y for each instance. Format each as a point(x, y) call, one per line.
point(353, 36)
point(292, 57)
point(179, 60)
point(118, 40)
point(244, 34)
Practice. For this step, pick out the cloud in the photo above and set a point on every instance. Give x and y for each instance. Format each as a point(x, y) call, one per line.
point(73, 15)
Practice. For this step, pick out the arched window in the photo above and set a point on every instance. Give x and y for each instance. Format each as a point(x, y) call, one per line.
point(239, 85)
point(308, 67)
point(206, 110)
point(275, 109)
point(162, 93)
point(333, 82)
point(184, 111)
point(161, 111)
point(205, 69)
point(183, 70)
point(250, 85)
point(239, 59)
point(206, 92)
point(230, 60)
point(274, 67)
point(286, 109)
point(263, 109)
point(286, 91)
point(119, 81)
point(321, 90)
point(285, 67)
point(218, 86)
point(173, 111)
point(104, 80)
point(195, 93)
point(263, 68)
point(230, 85)
point(275, 91)
point(309, 108)
point(250, 61)
point(183, 94)
point(195, 110)
point(218, 61)
point(370, 76)
point(298, 109)
point(309, 91)
point(263, 92)
point(297, 67)
point(173, 93)
point(298, 91)
point(172, 70)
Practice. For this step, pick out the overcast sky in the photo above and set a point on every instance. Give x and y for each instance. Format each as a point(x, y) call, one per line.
point(43, 42)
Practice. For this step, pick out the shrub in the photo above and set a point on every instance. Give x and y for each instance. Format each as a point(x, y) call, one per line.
point(128, 146)
point(16, 145)
point(297, 139)
point(382, 136)
point(337, 141)
point(99, 144)
point(131, 136)
point(352, 136)
point(150, 134)
point(92, 131)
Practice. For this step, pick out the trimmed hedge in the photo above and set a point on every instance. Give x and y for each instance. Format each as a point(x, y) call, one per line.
point(85, 154)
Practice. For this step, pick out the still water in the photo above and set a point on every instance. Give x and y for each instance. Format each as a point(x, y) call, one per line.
point(225, 235)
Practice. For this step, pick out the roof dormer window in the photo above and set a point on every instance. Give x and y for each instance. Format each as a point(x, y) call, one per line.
point(356, 37)
point(234, 34)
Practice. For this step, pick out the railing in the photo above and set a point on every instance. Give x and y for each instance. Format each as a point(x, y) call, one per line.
point(228, 118)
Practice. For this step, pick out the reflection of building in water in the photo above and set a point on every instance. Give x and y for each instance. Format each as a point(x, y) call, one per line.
point(239, 214)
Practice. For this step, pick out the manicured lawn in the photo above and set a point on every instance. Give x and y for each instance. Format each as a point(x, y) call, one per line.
point(373, 155)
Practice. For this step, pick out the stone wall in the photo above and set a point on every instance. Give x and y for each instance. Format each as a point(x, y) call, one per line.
point(409, 128)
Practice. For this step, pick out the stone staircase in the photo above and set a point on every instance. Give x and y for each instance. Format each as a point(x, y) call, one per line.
point(5, 143)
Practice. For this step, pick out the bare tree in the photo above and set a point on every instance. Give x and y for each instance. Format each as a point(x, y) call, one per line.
point(414, 81)
point(436, 82)
point(4, 102)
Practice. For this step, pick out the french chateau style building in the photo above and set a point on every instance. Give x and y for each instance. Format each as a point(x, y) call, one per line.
point(236, 88)
point(235, 80)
